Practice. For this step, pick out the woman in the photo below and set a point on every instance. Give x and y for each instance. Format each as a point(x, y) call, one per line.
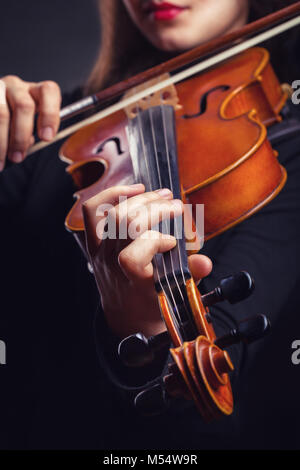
point(151, 32)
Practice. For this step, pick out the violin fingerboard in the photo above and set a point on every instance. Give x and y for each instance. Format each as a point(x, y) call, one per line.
point(153, 148)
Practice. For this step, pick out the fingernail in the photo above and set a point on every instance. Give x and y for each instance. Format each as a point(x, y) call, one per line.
point(165, 192)
point(17, 157)
point(47, 133)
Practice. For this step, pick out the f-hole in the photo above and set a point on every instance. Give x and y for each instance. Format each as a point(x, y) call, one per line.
point(203, 102)
point(91, 172)
point(117, 143)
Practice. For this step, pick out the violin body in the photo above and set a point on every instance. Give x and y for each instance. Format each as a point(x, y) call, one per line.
point(238, 99)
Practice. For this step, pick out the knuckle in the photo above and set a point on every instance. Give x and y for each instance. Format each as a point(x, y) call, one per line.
point(94, 200)
point(90, 202)
point(151, 196)
point(50, 86)
point(114, 190)
point(106, 193)
point(125, 259)
point(158, 240)
point(132, 219)
point(20, 143)
point(24, 103)
point(122, 258)
point(12, 80)
point(87, 207)
point(153, 239)
point(48, 115)
point(112, 216)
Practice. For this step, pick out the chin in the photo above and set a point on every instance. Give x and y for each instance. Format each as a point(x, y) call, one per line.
point(174, 42)
point(170, 44)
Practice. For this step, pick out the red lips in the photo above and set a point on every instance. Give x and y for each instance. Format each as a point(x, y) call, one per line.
point(163, 11)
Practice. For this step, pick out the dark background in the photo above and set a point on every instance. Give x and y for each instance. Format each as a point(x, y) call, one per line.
point(55, 40)
point(59, 40)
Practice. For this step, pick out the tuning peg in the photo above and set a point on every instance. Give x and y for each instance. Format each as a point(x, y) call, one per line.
point(232, 288)
point(247, 332)
point(137, 350)
point(152, 401)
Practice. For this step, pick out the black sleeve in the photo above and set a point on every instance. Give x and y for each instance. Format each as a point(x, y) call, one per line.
point(129, 381)
point(14, 184)
point(16, 179)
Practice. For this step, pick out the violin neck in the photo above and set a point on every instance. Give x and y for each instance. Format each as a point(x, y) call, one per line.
point(153, 148)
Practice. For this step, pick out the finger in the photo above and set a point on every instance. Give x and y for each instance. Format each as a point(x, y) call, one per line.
point(4, 124)
point(115, 195)
point(137, 220)
point(136, 202)
point(23, 109)
point(47, 95)
point(200, 266)
point(136, 259)
point(112, 196)
point(96, 209)
point(147, 216)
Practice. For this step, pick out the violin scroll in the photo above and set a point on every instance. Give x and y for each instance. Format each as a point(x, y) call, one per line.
point(200, 368)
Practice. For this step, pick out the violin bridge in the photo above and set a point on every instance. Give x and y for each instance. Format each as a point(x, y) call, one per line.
point(166, 96)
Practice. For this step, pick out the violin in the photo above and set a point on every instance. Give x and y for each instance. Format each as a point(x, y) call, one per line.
point(168, 140)
point(204, 136)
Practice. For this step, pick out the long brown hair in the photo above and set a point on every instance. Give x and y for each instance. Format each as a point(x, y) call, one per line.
point(124, 51)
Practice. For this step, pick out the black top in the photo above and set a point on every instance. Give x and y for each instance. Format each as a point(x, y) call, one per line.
point(56, 395)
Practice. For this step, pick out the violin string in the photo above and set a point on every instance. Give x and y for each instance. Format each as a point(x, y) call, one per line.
point(140, 128)
point(172, 189)
point(163, 221)
point(162, 107)
point(160, 187)
point(155, 148)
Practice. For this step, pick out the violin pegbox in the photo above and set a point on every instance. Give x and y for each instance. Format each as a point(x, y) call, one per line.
point(204, 368)
point(166, 96)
